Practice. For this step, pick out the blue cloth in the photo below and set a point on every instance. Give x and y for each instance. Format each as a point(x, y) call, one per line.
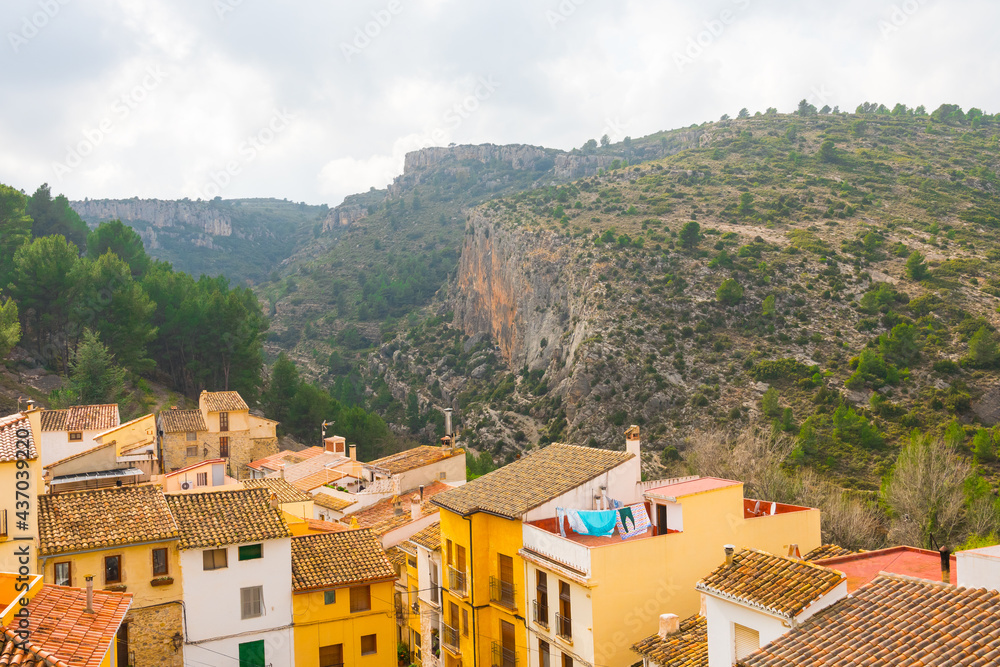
point(615, 504)
point(598, 522)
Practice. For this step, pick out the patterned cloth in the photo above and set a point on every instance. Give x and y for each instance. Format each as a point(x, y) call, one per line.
point(632, 520)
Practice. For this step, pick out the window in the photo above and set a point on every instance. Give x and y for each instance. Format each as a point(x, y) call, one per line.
point(465, 622)
point(191, 436)
point(329, 597)
point(251, 552)
point(3, 523)
point(192, 450)
point(224, 448)
point(75, 436)
point(62, 572)
point(369, 645)
point(202, 479)
point(567, 660)
point(361, 599)
point(223, 421)
point(564, 619)
point(252, 602)
point(541, 597)
point(443, 475)
point(214, 559)
point(411, 561)
point(447, 545)
point(434, 583)
point(112, 569)
point(252, 654)
point(331, 656)
point(544, 658)
point(747, 641)
point(159, 562)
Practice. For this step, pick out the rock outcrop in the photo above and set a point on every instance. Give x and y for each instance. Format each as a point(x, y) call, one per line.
point(157, 213)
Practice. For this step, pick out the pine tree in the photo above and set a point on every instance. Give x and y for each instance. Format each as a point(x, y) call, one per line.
point(916, 267)
point(94, 377)
point(982, 446)
point(982, 349)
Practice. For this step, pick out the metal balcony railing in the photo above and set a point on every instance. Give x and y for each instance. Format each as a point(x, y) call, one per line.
point(456, 582)
point(540, 613)
point(503, 592)
point(449, 636)
point(564, 626)
point(503, 657)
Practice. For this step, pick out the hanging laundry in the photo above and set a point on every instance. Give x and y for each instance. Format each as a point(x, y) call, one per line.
point(560, 515)
point(632, 520)
point(598, 522)
point(614, 504)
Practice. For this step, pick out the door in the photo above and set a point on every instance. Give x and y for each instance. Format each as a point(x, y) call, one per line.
point(661, 519)
point(121, 646)
point(506, 567)
point(507, 644)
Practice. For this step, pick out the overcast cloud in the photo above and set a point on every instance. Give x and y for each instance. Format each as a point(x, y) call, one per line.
point(314, 100)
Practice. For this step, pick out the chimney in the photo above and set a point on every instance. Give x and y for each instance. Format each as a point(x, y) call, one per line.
point(446, 443)
point(336, 444)
point(31, 404)
point(415, 508)
point(421, 488)
point(793, 551)
point(90, 594)
point(281, 470)
point(729, 554)
point(669, 625)
point(397, 506)
point(632, 440)
point(447, 422)
point(945, 565)
point(274, 501)
point(354, 452)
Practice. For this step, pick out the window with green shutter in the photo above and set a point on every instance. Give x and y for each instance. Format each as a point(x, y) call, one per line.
point(251, 551)
point(252, 654)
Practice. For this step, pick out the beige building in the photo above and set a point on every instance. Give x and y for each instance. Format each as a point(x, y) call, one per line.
point(74, 430)
point(221, 427)
point(20, 473)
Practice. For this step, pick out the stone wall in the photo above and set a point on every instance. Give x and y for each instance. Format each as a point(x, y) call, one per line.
point(242, 450)
point(150, 635)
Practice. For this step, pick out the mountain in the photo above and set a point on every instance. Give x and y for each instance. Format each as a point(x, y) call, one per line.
point(242, 239)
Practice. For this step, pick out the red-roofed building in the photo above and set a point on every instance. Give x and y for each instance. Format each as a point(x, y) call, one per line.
point(908, 561)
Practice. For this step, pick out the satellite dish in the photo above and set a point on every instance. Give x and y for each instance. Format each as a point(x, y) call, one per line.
point(185, 485)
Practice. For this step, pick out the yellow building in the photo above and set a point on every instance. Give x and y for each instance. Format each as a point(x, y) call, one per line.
point(342, 601)
point(484, 606)
point(127, 540)
point(410, 602)
point(21, 481)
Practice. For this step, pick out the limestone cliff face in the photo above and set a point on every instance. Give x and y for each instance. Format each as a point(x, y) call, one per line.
point(449, 160)
point(157, 213)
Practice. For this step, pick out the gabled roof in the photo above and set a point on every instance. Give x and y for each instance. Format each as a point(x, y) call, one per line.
point(286, 492)
point(62, 633)
point(285, 457)
point(381, 517)
point(338, 559)
point(429, 537)
point(119, 427)
point(218, 518)
point(827, 551)
point(321, 478)
point(894, 620)
point(412, 459)
point(9, 428)
point(182, 421)
point(775, 584)
point(396, 556)
point(331, 502)
point(319, 462)
point(92, 417)
point(224, 401)
point(54, 420)
point(687, 648)
point(531, 481)
point(103, 518)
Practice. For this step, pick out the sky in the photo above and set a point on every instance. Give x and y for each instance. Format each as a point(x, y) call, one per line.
point(313, 100)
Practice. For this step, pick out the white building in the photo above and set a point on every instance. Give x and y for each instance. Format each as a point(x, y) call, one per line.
point(428, 546)
point(979, 568)
point(74, 430)
point(236, 560)
point(419, 466)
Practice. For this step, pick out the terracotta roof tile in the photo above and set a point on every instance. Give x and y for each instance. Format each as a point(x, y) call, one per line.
point(83, 520)
point(338, 559)
point(828, 551)
point(894, 620)
point(414, 458)
point(326, 526)
point(10, 426)
point(324, 460)
point(218, 518)
point(224, 401)
point(396, 556)
point(319, 478)
point(92, 417)
point(54, 420)
point(63, 633)
point(382, 518)
point(15, 652)
point(777, 584)
point(331, 502)
point(687, 648)
point(535, 479)
point(285, 457)
point(286, 492)
point(182, 421)
point(429, 537)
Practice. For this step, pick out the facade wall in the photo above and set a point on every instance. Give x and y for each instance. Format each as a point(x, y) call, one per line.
point(453, 469)
point(102, 459)
point(620, 483)
point(150, 635)
point(279, 649)
point(318, 624)
point(242, 450)
point(581, 646)
point(979, 568)
point(721, 615)
point(131, 433)
point(136, 571)
point(56, 445)
point(212, 597)
point(30, 479)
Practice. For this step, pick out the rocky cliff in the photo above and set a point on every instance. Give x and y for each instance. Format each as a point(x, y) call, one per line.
point(157, 213)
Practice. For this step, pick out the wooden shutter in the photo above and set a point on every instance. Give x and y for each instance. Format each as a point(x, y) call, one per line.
point(747, 641)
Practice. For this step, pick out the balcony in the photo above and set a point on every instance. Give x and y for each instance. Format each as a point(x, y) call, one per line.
point(503, 593)
point(503, 657)
point(564, 627)
point(449, 636)
point(456, 582)
point(546, 541)
point(540, 613)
